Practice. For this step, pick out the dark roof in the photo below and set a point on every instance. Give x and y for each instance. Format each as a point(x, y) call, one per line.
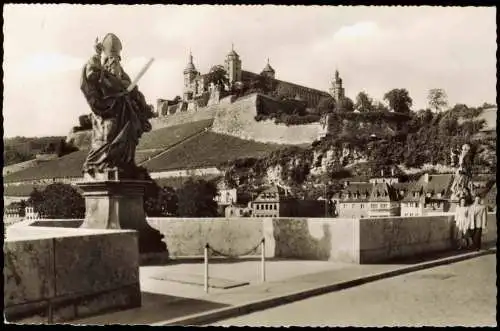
point(248, 75)
point(383, 192)
point(357, 179)
point(367, 192)
point(437, 184)
point(232, 53)
point(268, 68)
point(401, 185)
point(274, 193)
point(355, 192)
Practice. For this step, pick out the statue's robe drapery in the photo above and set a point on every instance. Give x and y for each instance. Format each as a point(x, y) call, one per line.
point(118, 121)
point(462, 186)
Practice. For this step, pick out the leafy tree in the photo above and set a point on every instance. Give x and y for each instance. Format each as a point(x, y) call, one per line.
point(160, 201)
point(64, 148)
point(399, 100)
point(448, 125)
point(363, 102)
point(218, 76)
point(380, 107)
point(196, 199)
point(326, 105)
point(345, 105)
point(49, 148)
point(437, 99)
point(260, 84)
point(58, 201)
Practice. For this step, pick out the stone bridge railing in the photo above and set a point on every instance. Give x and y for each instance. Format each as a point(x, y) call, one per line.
point(367, 240)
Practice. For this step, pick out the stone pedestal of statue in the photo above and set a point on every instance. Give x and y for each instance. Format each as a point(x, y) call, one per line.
point(114, 203)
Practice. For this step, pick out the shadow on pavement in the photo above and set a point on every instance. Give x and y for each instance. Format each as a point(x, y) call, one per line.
point(155, 308)
point(223, 260)
point(436, 256)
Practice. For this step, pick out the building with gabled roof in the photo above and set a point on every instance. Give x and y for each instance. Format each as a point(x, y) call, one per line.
point(428, 195)
point(361, 200)
point(278, 202)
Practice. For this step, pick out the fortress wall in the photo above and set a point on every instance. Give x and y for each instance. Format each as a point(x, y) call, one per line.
point(80, 139)
point(238, 120)
point(183, 118)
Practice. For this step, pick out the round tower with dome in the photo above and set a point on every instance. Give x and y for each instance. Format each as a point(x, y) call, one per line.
point(190, 74)
point(268, 71)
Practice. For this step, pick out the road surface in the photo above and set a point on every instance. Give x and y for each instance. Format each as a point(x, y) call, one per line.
point(463, 293)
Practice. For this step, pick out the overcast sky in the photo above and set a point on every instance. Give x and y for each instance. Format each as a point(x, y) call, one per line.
point(374, 48)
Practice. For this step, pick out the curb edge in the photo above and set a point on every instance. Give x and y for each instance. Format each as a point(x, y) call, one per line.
point(253, 306)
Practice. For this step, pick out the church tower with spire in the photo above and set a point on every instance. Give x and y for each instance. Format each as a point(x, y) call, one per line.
point(190, 74)
point(337, 91)
point(233, 66)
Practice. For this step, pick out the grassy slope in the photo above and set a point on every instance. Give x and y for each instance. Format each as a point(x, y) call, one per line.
point(71, 165)
point(209, 149)
point(166, 137)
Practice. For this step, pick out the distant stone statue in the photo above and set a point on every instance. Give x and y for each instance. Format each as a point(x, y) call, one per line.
point(120, 113)
point(462, 186)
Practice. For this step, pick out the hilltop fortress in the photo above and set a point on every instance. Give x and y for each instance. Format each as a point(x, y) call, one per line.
point(202, 99)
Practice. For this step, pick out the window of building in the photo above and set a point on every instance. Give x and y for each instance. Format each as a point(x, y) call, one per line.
point(416, 204)
point(344, 205)
point(361, 206)
point(383, 205)
point(373, 206)
point(275, 206)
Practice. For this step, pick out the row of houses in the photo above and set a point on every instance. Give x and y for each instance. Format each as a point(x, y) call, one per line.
point(429, 195)
point(375, 197)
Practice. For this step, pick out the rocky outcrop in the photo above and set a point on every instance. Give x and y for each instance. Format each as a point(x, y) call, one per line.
point(345, 156)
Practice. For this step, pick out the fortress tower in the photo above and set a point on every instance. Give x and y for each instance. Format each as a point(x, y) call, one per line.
point(190, 74)
point(233, 66)
point(337, 91)
point(268, 71)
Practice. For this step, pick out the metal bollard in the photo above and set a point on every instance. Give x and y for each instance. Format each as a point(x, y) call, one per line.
point(206, 268)
point(263, 260)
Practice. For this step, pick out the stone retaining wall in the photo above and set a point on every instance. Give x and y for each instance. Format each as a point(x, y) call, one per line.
point(59, 274)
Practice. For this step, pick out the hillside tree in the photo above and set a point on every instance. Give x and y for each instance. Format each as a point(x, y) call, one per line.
point(218, 76)
point(160, 201)
point(325, 105)
point(58, 201)
point(363, 102)
point(196, 198)
point(345, 105)
point(399, 100)
point(437, 99)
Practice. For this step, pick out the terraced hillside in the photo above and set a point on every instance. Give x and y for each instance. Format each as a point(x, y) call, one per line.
point(67, 166)
point(208, 149)
point(177, 182)
point(172, 135)
point(184, 146)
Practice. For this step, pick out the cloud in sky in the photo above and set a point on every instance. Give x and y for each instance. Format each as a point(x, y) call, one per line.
point(374, 48)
